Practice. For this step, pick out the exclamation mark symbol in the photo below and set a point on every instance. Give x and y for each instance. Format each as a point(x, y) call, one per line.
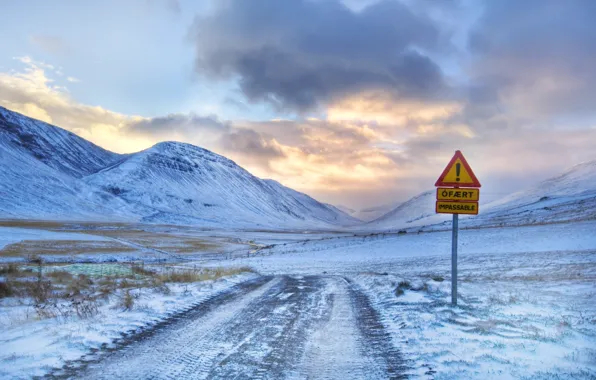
point(457, 170)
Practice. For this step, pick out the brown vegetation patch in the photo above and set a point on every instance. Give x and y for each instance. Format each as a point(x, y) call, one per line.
point(197, 275)
point(162, 241)
point(27, 248)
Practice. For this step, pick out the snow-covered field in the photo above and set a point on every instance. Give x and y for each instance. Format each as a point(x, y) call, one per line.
point(527, 296)
point(31, 346)
point(527, 299)
point(374, 252)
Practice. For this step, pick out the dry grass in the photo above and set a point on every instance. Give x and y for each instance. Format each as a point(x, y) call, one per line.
point(127, 301)
point(192, 246)
point(27, 248)
point(163, 241)
point(60, 276)
point(6, 289)
point(11, 268)
point(402, 286)
point(53, 225)
point(54, 292)
point(78, 285)
point(38, 224)
point(169, 242)
point(197, 275)
point(141, 270)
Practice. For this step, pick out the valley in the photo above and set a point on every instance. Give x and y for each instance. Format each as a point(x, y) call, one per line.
point(175, 262)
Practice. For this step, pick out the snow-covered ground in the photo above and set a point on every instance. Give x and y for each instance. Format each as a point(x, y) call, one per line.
point(373, 252)
point(32, 347)
point(527, 296)
point(527, 299)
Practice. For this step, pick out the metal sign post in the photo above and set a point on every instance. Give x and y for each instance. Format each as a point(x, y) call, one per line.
point(461, 198)
point(454, 259)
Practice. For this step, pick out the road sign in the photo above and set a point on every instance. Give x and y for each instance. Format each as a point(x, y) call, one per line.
point(457, 200)
point(455, 207)
point(454, 194)
point(458, 173)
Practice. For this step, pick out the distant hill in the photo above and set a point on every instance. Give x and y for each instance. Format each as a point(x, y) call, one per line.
point(417, 211)
point(370, 213)
point(569, 196)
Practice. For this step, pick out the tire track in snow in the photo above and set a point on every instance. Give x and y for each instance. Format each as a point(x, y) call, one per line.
point(312, 327)
point(377, 340)
point(244, 292)
point(350, 342)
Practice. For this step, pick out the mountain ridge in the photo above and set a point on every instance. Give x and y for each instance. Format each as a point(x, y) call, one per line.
point(51, 173)
point(568, 196)
point(69, 177)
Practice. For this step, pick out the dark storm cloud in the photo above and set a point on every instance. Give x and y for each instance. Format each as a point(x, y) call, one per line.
point(249, 141)
point(180, 123)
point(298, 54)
point(541, 52)
point(209, 132)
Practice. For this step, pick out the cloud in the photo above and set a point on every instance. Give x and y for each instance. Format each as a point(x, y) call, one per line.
point(253, 144)
point(536, 56)
point(366, 148)
point(179, 124)
point(382, 108)
point(32, 92)
point(301, 54)
point(211, 133)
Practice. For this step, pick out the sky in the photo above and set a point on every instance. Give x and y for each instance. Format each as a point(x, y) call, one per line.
point(356, 102)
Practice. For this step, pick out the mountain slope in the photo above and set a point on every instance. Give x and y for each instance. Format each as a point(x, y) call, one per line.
point(372, 213)
point(50, 173)
point(55, 147)
point(40, 171)
point(182, 181)
point(569, 196)
point(417, 211)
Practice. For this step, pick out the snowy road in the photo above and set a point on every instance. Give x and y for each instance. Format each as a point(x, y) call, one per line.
point(311, 327)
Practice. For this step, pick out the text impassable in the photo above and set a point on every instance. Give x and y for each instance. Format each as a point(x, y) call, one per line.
point(453, 207)
point(453, 194)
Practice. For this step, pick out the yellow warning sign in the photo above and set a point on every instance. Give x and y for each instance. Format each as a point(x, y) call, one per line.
point(455, 194)
point(458, 173)
point(454, 207)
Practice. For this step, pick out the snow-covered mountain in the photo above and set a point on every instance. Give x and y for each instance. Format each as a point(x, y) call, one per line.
point(50, 173)
point(178, 179)
point(40, 170)
point(346, 209)
point(567, 197)
point(55, 147)
point(417, 211)
point(370, 213)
